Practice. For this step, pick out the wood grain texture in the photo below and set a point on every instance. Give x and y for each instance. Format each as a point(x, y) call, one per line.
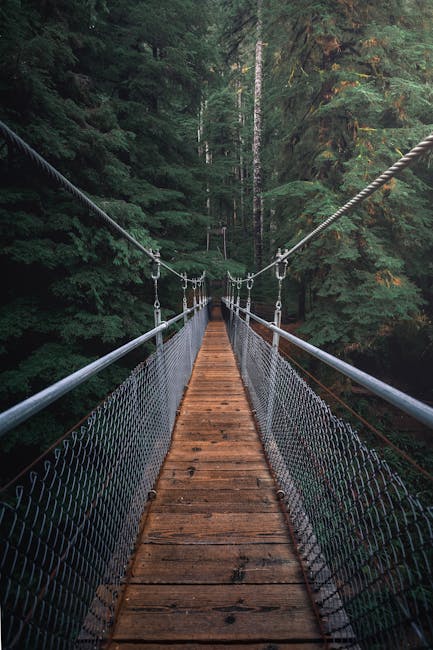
point(215, 563)
point(216, 612)
point(116, 645)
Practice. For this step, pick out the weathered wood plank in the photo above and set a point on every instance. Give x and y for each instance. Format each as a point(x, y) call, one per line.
point(252, 447)
point(216, 613)
point(215, 528)
point(196, 501)
point(215, 564)
point(205, 466)
point(230, 480)
point(116, 645)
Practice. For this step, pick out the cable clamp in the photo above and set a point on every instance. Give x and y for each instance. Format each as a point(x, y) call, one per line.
point(281, 265)
point(156, 266)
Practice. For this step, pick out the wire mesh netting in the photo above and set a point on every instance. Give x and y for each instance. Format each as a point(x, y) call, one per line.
point(367, 542)
point(69, 527)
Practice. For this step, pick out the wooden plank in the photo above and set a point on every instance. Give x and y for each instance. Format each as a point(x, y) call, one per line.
point(194, 500)
point(215, 564)
point(230, 480)
point(212, 453)
point(250, 464)
point(215, 528)
point(250, 448)
point(216, 613)
point(119, 645)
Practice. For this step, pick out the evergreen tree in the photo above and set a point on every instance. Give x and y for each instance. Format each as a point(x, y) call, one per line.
point(109, 94)
point(349, 88)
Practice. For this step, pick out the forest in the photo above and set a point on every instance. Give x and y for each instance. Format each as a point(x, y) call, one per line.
point(214, 131)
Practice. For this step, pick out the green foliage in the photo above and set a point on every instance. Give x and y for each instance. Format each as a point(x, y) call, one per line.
point(109, 93)
point(348, 93)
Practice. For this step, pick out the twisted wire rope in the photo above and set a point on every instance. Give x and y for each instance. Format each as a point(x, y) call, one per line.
point(420, 149)
point(48, 169)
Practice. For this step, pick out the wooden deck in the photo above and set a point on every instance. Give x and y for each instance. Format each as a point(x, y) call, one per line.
point(215, 565)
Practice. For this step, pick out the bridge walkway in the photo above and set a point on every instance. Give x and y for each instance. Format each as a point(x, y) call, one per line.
point(215, 564)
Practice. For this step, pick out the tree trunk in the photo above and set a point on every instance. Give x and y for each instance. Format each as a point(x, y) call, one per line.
point(257, 143)
point(241, 175)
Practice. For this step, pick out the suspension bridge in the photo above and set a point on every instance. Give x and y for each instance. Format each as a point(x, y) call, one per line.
point(214, 499)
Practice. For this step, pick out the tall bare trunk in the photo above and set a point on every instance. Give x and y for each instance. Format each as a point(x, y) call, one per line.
point(241, 121)
point(257, 142)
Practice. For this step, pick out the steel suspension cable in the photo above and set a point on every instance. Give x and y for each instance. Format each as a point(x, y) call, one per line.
point(404, 162)
point(14, 139)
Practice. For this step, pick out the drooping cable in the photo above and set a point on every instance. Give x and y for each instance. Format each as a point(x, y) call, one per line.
point(14, 139)
point(404, 162)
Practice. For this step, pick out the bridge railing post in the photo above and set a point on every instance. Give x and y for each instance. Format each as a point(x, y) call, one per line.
point(280, 272)
point(236, 308)
point(250, 282)
point(184, 299)
point(160, 358)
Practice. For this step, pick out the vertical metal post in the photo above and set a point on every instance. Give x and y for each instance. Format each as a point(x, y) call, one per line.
point(155, 274)
point(200, 294)
point(250, 282)
point(184, 299)
point(194, 294)
point(238, 298)
point(238, 303)
point(161, 367)
point(280, 272)
point(232, 303)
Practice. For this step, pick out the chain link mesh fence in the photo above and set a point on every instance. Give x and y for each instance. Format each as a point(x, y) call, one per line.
point(68, 529)
point(367, 542)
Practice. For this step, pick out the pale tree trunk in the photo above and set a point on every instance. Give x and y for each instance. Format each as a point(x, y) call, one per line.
point(257, 143)
point(203, 148)
point(241, 121)
point(208, 162)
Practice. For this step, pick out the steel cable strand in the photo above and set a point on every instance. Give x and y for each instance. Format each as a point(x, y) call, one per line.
point(14, 139)
point(404, 162)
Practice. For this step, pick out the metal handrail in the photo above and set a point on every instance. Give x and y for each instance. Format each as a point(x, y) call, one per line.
point(418, 410)
point(22, 411)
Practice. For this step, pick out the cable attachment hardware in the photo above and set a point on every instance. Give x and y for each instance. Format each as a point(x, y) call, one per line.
point(194, 290)
point(156, 266)
point(281, 265)
point(280, 272)
point(184, 288)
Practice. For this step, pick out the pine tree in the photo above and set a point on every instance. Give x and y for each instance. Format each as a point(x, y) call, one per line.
point(109, 94)
point(350, 89)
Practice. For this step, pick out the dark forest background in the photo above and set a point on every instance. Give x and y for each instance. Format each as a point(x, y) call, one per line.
point(148, 107)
